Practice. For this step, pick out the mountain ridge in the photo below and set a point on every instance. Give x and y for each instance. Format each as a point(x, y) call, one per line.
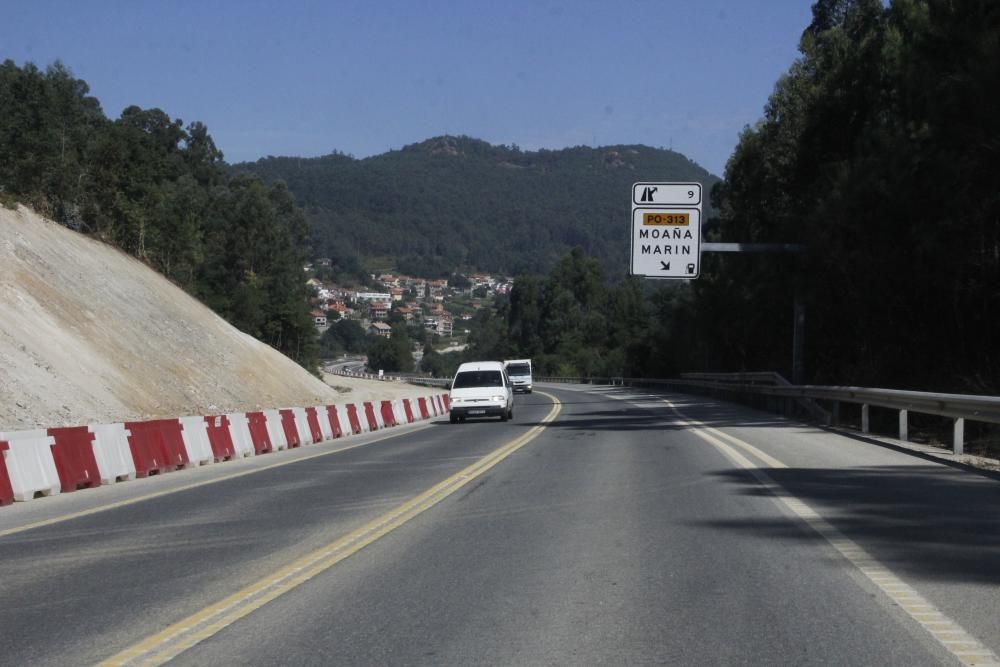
point(452, 202)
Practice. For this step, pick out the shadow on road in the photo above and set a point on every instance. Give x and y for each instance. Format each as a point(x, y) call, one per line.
point(926, 521)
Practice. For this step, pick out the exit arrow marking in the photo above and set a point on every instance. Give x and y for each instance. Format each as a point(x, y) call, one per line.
point(665, 265)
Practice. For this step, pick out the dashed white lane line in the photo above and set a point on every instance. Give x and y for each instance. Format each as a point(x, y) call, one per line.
point(955, 639)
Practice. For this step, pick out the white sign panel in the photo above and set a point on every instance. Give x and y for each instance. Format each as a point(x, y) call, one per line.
point(666, 242)
point(666, 230)
point(666, 194)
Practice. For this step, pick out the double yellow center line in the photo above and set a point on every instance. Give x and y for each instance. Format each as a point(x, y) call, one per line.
point(161, 647)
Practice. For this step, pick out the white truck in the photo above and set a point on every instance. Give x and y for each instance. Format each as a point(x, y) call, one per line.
point(519, 372)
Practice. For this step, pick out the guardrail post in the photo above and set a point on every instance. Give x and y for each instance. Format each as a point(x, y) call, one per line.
point(958, 444)
point(904, 425)
point(864, 418)
point(835, 413)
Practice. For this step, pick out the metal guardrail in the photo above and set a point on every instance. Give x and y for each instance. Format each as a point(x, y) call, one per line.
point(958, 407)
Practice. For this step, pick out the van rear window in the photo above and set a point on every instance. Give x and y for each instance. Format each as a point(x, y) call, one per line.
point(478, 379)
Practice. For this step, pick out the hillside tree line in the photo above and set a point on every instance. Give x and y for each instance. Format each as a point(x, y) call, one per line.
point(158, 190)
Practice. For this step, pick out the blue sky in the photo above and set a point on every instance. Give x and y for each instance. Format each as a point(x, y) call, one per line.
point(305, 78)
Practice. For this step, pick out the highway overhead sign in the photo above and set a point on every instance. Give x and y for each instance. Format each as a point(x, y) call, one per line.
point(666, 230)
point(666, 194)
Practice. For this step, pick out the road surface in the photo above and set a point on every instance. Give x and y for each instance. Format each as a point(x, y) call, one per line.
point(600, 526)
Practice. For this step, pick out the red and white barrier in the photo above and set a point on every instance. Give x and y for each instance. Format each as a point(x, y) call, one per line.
point(275, 430)
point(239, 431)
point(194, 431)
point(30, 465)
point(6, 490)
point(112, 452)
point(47, 462)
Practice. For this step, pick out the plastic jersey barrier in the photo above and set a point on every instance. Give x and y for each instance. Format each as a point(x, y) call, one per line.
point(30, 466)
point(219, 437)
point(113, 453)
point(157, 446)
point(239, 433)
point(194, 432)
point(352, 416)
point(322, 421)
point(303, 426)
point(6, 491)
point(73, 454)
point(336, 430)
point(447, 402)
point(407, 407)
point(370, 416)
point(423, 408)
point(388, 417)
point(259, 435)
point(289, 427)
point(276, 430)
point(314, 425)
point(345, 419)
point(398, 414)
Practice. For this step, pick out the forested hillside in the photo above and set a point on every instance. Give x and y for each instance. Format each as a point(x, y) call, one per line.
point(158, 190)
point(880, 151)
point(454, 202)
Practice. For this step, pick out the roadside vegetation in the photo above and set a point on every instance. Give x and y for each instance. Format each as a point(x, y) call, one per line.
point(158, 190)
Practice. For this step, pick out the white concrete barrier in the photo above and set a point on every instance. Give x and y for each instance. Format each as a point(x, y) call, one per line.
point(30, 464)
point(194, 432)
point(399, 412)
point(112, 452)
point(324, 422)
point(345, 421)
point(302, 424)
point(275, 431)
point(239, 431)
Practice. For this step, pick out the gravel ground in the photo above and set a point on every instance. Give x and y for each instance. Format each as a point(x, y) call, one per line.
point(89, 334)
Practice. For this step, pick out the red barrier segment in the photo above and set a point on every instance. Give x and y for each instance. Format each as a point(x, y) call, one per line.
point(257, 423)
point(352, 416)
point(220, 438)
point(388, 418)
point(408, 410)
point(423, 408)
point(331, 414)
point(157, 446)
point(6, 490)
point(370, 414)
point(289, 427)
point(314, 428)
point(447, 401)
point(73, 454)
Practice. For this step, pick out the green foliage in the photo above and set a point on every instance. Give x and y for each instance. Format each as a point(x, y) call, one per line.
point(452, 202)
point(343, 337)
point(393, 354)
point(879, 151)
point(159, 191)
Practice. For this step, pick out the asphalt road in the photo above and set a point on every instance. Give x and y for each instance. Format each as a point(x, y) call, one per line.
point(624, 531)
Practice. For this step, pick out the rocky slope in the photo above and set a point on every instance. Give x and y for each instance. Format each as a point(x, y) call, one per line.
point(89, 334)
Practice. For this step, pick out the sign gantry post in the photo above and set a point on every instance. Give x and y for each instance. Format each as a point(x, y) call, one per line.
point(666, 230)
point(666, 243)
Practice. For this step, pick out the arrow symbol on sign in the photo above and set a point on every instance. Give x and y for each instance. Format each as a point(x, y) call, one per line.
point(665, 265)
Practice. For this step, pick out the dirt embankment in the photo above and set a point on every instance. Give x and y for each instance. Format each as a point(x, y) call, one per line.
point(89, 334)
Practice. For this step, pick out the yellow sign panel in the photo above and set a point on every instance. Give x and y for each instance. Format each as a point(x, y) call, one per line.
point(670, 219)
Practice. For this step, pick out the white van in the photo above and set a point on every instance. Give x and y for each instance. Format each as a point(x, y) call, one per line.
point(481, 389)
point(519, 372)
